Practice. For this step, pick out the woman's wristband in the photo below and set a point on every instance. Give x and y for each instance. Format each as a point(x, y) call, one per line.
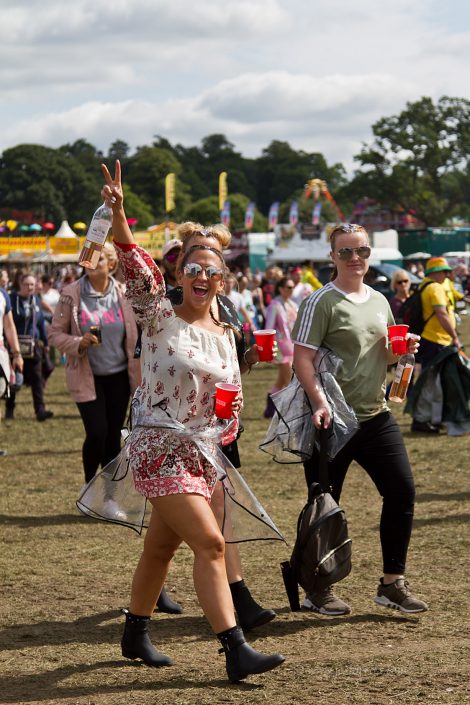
point(16, 353)
point(245, 360)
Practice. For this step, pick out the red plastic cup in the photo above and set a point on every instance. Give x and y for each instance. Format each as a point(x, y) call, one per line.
point(224, 396)
point(397, 337)
point(264, 343)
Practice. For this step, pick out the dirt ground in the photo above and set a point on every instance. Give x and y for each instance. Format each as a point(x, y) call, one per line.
point(64, 578)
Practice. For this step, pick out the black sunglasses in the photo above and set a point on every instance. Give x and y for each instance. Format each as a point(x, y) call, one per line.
point(346, 253)
point(403, 281)
point(194, 269)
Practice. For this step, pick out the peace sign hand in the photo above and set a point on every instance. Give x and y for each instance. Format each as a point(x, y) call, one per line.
point(111, 192)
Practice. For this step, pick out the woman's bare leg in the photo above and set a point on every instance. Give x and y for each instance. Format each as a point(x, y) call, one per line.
point(233, 564)
point(190, 518)
point(160, 545)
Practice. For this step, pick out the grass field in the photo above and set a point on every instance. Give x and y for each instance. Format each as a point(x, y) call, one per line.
point(64, 578)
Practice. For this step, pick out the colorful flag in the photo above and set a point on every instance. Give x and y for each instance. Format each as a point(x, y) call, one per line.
point(273, 216)
point(294, 213)
point(316, 213)
point(249, 215)
point(225, 214)
point(223, 191)
point(169, 192)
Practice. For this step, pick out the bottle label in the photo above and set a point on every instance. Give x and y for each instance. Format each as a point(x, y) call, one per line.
point(99, 228)
point(403, 373)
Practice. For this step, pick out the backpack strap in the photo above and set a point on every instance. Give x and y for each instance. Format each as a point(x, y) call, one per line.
point(323, 479)
point(420, 290)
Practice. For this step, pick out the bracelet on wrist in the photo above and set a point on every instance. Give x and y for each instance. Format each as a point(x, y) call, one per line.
point(16, 353)
point(245, 360)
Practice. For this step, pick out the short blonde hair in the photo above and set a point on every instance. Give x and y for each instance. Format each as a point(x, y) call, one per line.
point(218, 231)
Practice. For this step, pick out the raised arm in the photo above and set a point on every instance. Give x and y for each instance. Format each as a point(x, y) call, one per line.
point(113, 196)
point(145, 286)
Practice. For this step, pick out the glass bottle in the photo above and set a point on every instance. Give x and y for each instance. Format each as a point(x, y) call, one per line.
point(96, 237)
point(402, 378)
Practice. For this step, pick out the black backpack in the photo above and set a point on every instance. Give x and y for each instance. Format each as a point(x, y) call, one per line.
point(411, 312)
point(322, 550)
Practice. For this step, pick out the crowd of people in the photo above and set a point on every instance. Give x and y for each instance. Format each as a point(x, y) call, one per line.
point(164, 334)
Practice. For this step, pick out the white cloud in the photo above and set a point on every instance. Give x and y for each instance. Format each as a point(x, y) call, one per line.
point(315, 74)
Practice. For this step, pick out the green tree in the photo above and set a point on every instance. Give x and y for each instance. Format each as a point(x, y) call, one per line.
point(87, 155)
point(147, 170)
point(118, 150)
point(136, 207)
point(202, 166)
point(206, 211)
point(282, 173)
point(53, 184)
point(413, 153)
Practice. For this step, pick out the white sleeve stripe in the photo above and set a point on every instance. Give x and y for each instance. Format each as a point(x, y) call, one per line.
point(306, 345)
point(308, 312)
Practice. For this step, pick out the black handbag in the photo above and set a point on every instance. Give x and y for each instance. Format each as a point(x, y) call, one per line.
point(322, 549)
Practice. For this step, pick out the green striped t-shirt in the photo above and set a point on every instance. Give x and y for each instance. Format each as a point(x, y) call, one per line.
point(356, 333)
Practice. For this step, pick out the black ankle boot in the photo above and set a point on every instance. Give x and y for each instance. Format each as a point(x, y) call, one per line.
point(270, 409)
point(241, 659)
point(166, 604)
point(250, 613)
point(135, 642)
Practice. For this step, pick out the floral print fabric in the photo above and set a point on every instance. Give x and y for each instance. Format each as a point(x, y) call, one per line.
point(181, 363)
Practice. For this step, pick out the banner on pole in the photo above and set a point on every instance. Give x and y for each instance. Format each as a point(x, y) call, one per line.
point(273, 216)
point(223, 192)
point(294, 213)
point(249, 215)
point(225, 214)
point(169, 192)
point(316, 213)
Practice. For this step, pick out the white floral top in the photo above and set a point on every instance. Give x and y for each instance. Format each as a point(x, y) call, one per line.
point(181, 363)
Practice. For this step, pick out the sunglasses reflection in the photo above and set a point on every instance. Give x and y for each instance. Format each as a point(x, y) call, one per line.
point(346, 253)
point(194, 270)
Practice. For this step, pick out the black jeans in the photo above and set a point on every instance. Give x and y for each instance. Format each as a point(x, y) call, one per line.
point(427, 352)
point(103, 420)
point(378, 447)
point(33, 378)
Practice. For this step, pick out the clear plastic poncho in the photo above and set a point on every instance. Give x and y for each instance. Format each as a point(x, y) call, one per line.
point(291, 435)
point(244, 519)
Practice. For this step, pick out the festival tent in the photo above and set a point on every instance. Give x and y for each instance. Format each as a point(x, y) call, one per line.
point(418, 255)
point(296, 248)
point(65, 230)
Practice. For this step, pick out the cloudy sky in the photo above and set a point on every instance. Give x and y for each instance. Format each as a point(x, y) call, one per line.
point(316, 74)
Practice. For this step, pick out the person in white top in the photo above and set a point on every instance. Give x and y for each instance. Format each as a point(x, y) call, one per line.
point(301, 289)
point(185, 351)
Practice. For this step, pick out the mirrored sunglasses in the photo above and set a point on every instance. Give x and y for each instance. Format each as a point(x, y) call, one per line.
point(193, 270)
point(346, 253)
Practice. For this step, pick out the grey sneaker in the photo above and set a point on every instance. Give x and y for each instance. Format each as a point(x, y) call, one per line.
point(398, 596)
point(325, 602)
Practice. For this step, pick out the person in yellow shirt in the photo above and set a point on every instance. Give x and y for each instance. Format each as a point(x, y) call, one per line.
point(308, 277)
point(439, 330)
point(452, 293)
point(438, 311)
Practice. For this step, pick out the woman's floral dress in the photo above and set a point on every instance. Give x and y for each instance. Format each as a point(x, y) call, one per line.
point(181, 363)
